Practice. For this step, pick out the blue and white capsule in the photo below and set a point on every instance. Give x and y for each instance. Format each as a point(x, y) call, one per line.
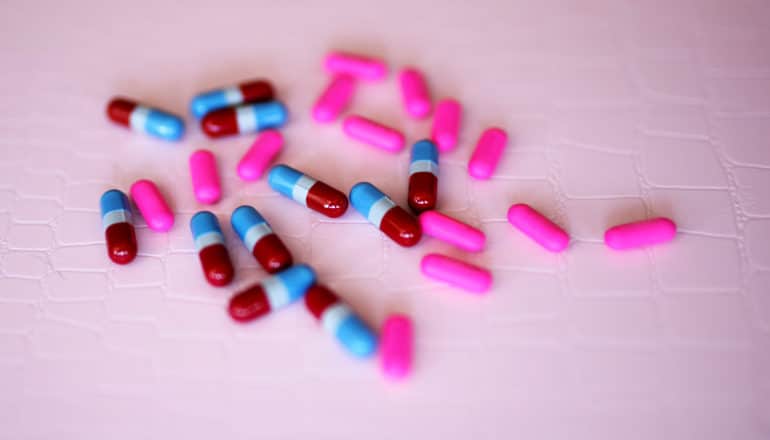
point(212, 252)
point(258, 237)
point(273, 293)
point(339, 320)
point(423, 176)
point(383, 213)
point(307, 191)
point(250, 91)
point(246, 118)
point(144, 119)
point(119, 232)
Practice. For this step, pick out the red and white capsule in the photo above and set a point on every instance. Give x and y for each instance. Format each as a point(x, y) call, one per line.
point(118, 229)
point(383, 213)
point(308, 191)
point(210, 244)
point(259, 238)
point(423, 177)
point(338, 319)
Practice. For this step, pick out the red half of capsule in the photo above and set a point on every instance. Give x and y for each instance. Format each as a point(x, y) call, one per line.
point(257, 91)
point(222, 122)
point(216, 264)
point(423, 190)
point(318, 299)
point(401, 227)
point(119, 110)
point(249, 304)
point(326, 200)
point(272, 254)
point(121, 242)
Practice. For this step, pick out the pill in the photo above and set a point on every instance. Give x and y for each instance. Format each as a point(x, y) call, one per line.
point(486, 156)
point(143, 119)
point(152, 205)
point(446, 124)
point(338, 319)
point(307, 191)
point(414, 93)
point(642, 233)
point(537, 227)
point(250, 91)
point(254, 163)
point(383, 213)
point(456, 273)
point(205, 178)
point(396, 347)
point(246, 118)
point(358, 66)
point(334, 99)
point(273, 293)
point(373, 133)
point(423, 176)
point(210, 244)
point(453, 231)
point(258, 237)
point(118, 230)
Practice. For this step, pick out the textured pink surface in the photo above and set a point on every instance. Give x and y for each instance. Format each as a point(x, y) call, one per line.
point(617, 110)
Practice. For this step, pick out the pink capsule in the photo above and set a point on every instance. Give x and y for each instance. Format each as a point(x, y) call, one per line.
point(358, 66)
point(537, 227)
point(446, 124)
point(256, 161)
point(487, 155)
point(151, 204)
point(456, 273)
point(453, 231)
point(642, 233)
point(205, 178)
point(396, 347)
point(414, 91)
point(334, 99)
point(373, 133)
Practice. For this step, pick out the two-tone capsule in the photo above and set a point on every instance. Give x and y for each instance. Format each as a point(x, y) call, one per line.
point(307, 191)
point(118, 229)
point(210, 244)
point(249, 91)
point(144, 119)
point(383, 213)
point(423, 176)
point(273, 293)
point(247, 118)
point(339, 320)
point(259, 238)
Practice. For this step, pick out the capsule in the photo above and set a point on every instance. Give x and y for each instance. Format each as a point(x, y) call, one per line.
point(273, 293)
point(118, 229)
point(423, 176)
point(338, 319)
point(205, 178)
point(334, 99)
point(361, 67)
point(453, 231)
point(152, 205)
point(247, 118)
point(373, 133)
point(456, 273)
point(254, 163)
point(446, 124)
point(307, 191)
point(143, 119)
point(415, 93)
point(259, 238)
point(396, 347)
point(210, 244)
point(486, 156)
point(537, 227)
point(383, 213)
point(246, 92)
point(638, 234)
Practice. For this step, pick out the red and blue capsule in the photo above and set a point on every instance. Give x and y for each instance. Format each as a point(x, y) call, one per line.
point(210, 244)
point(259, 238)
point(118, 229)
point(383, 213)
point(338, 319)
point(143, 119)
point(249, 91)
point(423, 176)
point(307, 191)
point(273, 293)
point(246, 118)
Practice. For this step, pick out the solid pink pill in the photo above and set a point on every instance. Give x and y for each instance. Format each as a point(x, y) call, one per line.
point(414, 92)
point(254, 163)
point(452, 231)
point(446, 124)
point(373, 133)
point(538, 227)
point(360, 67)
point(396, 347)
point(456, 273)
point(334, 99)
point(152, 205)
point(205, 178)
point(642, 233)
point(487, 155)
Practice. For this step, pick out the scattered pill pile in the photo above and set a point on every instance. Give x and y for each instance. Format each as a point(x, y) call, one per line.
point(252, 107)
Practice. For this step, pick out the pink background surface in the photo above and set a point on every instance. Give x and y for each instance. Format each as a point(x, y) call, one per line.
point(617, 110)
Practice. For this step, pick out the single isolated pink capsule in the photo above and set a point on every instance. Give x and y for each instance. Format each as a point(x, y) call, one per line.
point(373, 133)
point(205, 178)
point(456, 273)
point(358, 66)
point(486, 156)
point(255, 162)
point(446, 124)
point(152, 205)
point(537, 227)
point(453, 231)
point(334, 99)
point(396, 347)
point(638, 234)
point(415, 93)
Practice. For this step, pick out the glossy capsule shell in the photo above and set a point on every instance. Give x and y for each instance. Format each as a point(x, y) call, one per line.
point(396, 346)
point(446, 125)
point(273, 293)
point(212, 252)
point(373, 133)
point(152, 205)
point(537, 227)
point(456, 273)
point(358, 66)
point(334, 99)
point(486, 156)
point(144, 119)
point(307, 191)
point(244, 119)
point(255, 162)
point(258, 237)
point(414, 92)
point(119, 232)
point(205, 177)
point(423, 177)
point(339, 320)
point(384, 214)
point(639, 234)
point(453, 231)
point(246, 92)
